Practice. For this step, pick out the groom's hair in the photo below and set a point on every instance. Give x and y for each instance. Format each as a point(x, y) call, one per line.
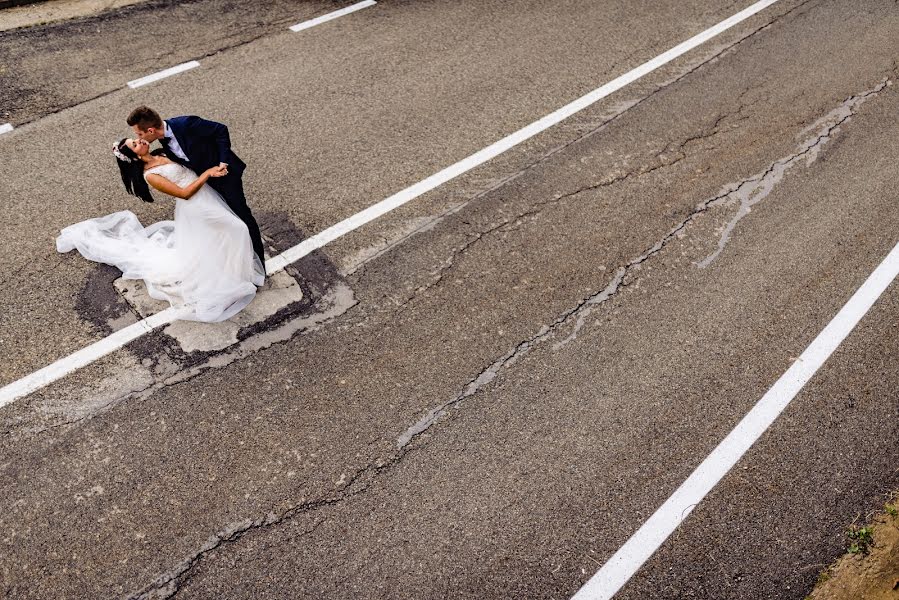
point(145, 118)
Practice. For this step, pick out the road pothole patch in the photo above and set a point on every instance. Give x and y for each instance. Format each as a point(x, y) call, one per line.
point(110, 302)
point(280, 291)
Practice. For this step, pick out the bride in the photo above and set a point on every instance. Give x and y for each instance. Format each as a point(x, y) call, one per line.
point(202, 262)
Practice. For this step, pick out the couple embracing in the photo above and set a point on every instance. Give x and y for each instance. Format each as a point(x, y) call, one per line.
point(209, 261)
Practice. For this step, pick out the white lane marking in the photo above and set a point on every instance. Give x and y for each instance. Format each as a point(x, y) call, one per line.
point(630, 557)
point(331, 16)
point(478, 158)
point(83, 357)
point(60, 368)
point(6, 128)
point(163, 74)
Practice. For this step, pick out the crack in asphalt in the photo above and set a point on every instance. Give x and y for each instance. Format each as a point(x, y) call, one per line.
point(431, 223)
point(583, 309)
point(765, 181)
point(169, 584)
point(750, 192)
point(670, 155)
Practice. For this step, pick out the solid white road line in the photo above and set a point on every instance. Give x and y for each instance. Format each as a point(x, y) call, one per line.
point(13, 391)
point(84, 357)
point(163, 74)
point(385, 206)
point(331, 16)
point(624, 563)
point(6, 128)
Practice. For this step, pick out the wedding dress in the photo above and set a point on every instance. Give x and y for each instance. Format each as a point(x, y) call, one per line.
point(202, 262)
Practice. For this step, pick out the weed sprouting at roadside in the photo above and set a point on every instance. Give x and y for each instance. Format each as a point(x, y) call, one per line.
point(860, 539)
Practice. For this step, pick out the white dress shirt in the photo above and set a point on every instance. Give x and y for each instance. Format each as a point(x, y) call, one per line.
point(174, 146)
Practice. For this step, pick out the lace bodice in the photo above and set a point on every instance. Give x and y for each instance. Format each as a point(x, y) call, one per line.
point(177, 174)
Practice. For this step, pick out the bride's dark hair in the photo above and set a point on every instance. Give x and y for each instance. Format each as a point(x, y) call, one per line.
point(132, 170)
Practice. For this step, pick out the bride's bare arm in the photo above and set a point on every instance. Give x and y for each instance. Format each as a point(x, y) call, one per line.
point(167, 186)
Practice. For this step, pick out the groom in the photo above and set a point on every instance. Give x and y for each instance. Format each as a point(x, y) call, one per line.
point(200, 144)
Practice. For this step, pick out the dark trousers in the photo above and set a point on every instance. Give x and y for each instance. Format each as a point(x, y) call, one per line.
point(231, 189)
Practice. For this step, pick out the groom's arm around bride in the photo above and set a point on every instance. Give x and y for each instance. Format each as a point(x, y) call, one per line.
point(209, 143)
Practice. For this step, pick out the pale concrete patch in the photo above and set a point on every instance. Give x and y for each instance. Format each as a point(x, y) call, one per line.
point(55, 10)
point(279, 291)
point(135, 293)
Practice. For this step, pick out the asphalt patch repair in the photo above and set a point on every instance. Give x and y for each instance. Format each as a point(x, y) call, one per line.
point(109, 303)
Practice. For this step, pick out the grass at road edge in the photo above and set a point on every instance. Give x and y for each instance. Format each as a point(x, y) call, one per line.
point(869, 570)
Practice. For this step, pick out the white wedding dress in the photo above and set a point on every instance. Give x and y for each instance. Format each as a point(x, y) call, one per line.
point(202, 262)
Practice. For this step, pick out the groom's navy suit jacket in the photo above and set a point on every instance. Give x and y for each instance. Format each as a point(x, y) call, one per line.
point(206, 144)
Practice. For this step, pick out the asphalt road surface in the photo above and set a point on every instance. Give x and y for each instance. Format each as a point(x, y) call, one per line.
point(485, 392)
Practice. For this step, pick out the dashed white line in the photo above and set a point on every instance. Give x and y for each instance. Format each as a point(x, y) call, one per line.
point(136, 83)
point(163, 74)
point(332, 16)
point(619, 569)
point(13, 391)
